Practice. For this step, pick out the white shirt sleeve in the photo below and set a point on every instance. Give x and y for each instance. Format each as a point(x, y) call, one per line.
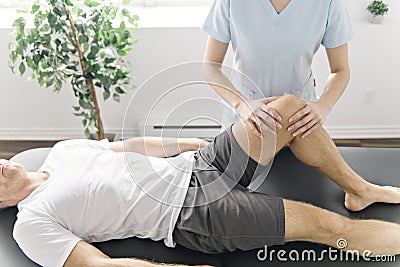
point(45, 241)
point(217, 24)
point(339, 28)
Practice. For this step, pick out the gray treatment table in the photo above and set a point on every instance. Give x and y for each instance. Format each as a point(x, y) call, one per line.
point(288, 178)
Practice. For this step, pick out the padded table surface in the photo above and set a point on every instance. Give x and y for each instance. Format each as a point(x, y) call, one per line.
point(288, 178)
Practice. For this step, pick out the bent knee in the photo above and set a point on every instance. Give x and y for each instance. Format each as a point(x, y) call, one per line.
point(287, 105)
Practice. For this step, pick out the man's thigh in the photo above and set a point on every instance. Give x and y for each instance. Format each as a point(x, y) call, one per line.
point(223, 164)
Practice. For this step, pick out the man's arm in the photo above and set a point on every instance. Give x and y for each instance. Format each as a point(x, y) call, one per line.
point(86, 255)
point(158, 146)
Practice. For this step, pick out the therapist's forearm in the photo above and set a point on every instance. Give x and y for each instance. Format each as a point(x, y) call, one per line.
point(222, 85)
point(335, 86)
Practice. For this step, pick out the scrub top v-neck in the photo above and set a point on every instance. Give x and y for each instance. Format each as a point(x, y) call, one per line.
point(274, 11)
point(275, 51)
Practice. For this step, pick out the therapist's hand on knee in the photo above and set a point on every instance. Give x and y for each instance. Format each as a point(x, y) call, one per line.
point(259, 116)
point(306, 120)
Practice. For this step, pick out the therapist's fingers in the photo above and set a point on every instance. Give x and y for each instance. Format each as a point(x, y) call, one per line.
point(305, 127)
point(309, 131)
point(266, 122)
point(270, 110)
point(300, 124)
point(268, 128)
point(270, 99)
point(301, 113)
point(252, 124)
point(276, 115)
point(273, 114)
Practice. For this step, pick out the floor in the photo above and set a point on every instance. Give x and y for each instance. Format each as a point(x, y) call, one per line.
point(9, 148)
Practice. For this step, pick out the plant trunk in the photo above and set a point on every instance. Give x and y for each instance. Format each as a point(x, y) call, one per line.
point(99, 122)
point(89, 83)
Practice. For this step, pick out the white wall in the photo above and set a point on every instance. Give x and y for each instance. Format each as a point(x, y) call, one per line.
point(30, 112)
point(375, 63)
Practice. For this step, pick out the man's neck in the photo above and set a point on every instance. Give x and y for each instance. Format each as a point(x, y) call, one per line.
point(34, 180)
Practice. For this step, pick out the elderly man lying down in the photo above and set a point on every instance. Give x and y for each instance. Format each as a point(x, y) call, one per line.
point(88, 191)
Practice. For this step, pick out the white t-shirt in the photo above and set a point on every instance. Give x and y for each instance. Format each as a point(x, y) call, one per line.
point(95, 194)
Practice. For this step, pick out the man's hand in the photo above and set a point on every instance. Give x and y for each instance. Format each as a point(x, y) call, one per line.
point(306, 120)
point(258, 116)
point(198, 143)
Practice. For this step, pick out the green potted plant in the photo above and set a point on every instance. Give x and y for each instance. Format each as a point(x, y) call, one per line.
point(82, 45)
point(377, 9)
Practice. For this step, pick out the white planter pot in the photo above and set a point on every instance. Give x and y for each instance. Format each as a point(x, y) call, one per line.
point(375, 19)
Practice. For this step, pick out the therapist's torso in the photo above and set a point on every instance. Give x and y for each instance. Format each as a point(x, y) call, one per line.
point(275, 51)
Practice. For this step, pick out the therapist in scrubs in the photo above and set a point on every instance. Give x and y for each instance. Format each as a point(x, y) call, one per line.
point(274, 42)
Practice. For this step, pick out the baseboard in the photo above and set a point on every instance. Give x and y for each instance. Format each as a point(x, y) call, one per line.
point(57, 134)
point(70, 133)
point(369, 132)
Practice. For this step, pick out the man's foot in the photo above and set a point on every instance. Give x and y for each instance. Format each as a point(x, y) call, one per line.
point(374, 193)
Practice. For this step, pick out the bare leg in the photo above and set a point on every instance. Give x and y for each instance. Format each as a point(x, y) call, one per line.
point(316, 150)
point(308, 223)
point(327, 159)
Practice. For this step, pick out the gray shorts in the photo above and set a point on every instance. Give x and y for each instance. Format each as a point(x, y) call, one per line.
point(220, 214)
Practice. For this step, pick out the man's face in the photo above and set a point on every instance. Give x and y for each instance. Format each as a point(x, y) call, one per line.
point(12, 177)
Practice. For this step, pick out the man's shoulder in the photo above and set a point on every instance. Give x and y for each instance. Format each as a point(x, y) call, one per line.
point(26, 219)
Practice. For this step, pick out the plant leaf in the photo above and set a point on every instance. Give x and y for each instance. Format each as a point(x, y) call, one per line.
point(83, 39)
point(116, 97)
point(87, 132)
point(84, 104)
point(57, 87)
point(106, 95)
point(22, 68)
point(68, 3)
point(36, 59)
point(35, 8)
point(119, 90)
point(90, 3)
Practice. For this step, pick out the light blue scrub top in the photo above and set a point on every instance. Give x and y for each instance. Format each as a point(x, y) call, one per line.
point(276, 50)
